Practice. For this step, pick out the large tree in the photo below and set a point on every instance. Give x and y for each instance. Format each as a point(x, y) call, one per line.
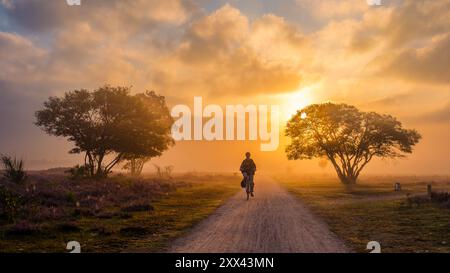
point(157, 105)
point(108, 123)
point(347, 137)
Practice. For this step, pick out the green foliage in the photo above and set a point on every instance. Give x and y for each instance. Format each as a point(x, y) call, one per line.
point(109, 123)
point(349, 138)
point(13, 169)
point(9, 204)
point(135, 162)
point(70, 196)
point(78, 172)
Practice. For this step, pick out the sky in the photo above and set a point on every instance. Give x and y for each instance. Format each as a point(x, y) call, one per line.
point(392, 59)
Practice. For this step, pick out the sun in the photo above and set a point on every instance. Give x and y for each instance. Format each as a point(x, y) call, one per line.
point(293, 101)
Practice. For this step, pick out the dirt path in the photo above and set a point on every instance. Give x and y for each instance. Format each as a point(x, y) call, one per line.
point(273, 221)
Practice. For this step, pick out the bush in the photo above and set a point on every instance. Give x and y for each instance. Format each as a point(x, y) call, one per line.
point(440, 198)
point(78, 172)
point(14, 169)
point(164, 172)
point(70, 196)
point(9, 204)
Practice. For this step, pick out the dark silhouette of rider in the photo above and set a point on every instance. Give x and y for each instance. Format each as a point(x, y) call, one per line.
point(248, 169)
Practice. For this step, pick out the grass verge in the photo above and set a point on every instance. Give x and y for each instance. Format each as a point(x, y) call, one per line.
point(371, 211)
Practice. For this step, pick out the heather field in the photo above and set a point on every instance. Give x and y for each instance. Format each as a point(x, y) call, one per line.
point(119, 213)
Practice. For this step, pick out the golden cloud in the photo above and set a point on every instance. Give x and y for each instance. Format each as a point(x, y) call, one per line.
point(224, 53)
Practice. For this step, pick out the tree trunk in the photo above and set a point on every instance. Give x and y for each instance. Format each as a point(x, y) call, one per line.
point(100, 172)
point(90, 165)
point(348, 179)
point(346, 176)
point(133, 167)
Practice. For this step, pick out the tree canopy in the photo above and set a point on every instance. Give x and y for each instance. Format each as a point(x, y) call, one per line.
point(347, 137)
point(109, 121)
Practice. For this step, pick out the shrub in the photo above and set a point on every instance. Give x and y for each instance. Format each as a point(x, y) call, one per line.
point(440, 198)
point(78, 172)
point(9, 204)
point(70, 196)
point(163, 172)
point(14, 169)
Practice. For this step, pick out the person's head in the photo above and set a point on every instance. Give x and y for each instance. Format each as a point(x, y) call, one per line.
point(247, 155)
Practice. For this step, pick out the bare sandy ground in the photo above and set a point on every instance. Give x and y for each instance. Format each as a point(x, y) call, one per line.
point(272, 221)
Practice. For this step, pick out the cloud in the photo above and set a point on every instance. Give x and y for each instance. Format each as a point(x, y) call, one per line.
point(218, 53)
point(7, 4)
point(408, 102)
point(226, 53)
point(395, 25)
point(19, 58)
point(214, 36)
point(178, 50)
point(384, 51)
point(50, 15)
point(333, 9)
point(174, 47)
point(427, 64)
point(416, 20)
point(276, 40)
point(438, 116)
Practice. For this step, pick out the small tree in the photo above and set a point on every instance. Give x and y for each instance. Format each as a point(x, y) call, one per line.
point(107, 123)
point(159, 170)
point(163, 172)
point(169, 170)
point(135, 165)
point(347, 137)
